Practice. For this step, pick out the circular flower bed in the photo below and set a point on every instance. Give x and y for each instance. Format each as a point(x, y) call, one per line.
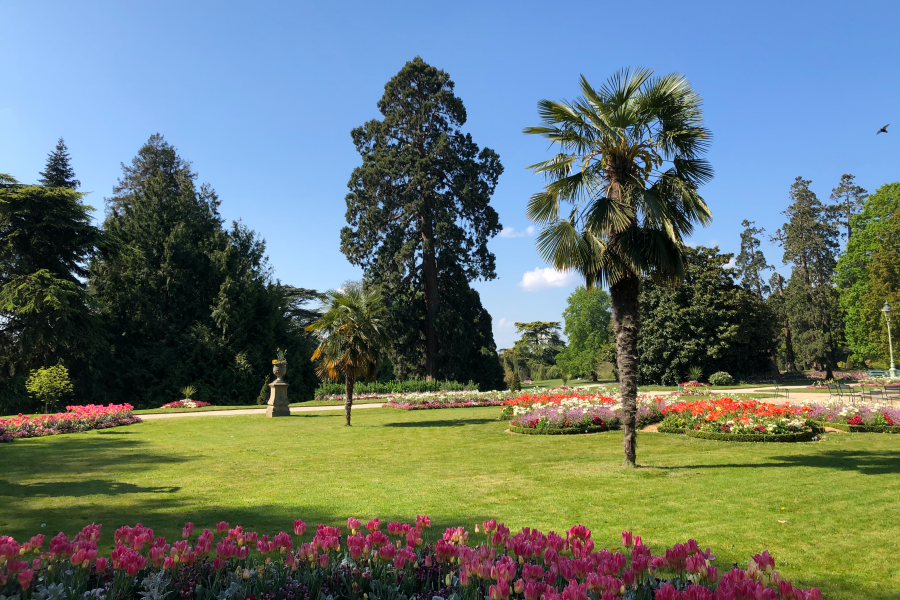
point(555, 414)
point(742, 420)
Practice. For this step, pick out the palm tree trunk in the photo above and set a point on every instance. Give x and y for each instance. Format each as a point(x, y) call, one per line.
point(626, 324)
point(348, 397)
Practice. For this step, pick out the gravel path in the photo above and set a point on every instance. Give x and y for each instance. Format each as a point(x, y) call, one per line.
point(249, 411)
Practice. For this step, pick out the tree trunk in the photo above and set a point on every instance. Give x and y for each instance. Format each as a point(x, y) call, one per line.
point(348, 397)
point(626, 324)
point(789, 360)
point(430, 275)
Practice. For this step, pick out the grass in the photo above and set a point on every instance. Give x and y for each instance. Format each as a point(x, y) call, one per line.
point(837, 498)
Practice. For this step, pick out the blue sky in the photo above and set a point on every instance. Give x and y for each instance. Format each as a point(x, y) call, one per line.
point(262, 96)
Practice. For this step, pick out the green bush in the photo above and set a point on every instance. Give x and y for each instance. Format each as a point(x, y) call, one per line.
point(863, 428)
point(803, 436)
point(721, 378)
point(49, 385)
point(395, 387)
point(574, 430)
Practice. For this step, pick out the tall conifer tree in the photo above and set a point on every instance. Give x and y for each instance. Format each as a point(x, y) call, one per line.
point(419, 219)
point(750, 262)
point(59, 171)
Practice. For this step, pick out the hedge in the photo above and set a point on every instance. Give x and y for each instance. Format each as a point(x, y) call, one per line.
point(669, 429)
point(396, 387)
point(562, 430)
point(863, 428)
point(803, 436)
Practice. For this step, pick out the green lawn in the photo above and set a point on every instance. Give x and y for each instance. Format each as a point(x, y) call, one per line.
point(838, 498)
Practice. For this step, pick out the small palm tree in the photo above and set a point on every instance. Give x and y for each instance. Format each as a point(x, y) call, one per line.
point(351, 337)
point(630, 165)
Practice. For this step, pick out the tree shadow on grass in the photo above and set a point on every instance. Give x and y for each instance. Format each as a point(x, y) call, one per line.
point(862, 461)
point(89, 487)
point(441, 423)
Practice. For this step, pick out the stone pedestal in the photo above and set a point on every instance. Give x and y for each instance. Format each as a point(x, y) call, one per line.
point(278, 400)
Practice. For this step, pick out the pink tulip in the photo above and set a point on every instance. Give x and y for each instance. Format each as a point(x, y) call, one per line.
point(25, 578)
point(101, 564)
point(222, 527)
point(187, 530)
point(299, 527)
point(353, 525)
point(627, 539)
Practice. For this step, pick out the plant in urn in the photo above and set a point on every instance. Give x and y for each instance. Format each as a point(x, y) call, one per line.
point(278, 399)
point(279, 365)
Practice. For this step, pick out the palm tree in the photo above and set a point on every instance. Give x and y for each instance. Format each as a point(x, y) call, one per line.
point(630, 165)
point(351, 336)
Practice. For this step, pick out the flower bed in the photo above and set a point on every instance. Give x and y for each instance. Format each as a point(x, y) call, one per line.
point(366, 562)
point(868, 418)
point(462, 399)
point(741, 420)
point(575, 413)
point(186, 404)
point(79, 418)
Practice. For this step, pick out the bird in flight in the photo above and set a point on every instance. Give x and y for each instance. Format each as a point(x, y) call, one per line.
point(883, 129)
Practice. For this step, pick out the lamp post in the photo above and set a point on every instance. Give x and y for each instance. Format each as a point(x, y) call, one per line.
point(886, 311)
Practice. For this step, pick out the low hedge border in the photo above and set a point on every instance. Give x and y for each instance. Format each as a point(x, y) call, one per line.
point(863, 428)
point(803, 436)
point(563, 431)
point(669, 429)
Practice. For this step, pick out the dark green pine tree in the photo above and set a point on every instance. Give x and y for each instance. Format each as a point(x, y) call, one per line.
point(188, 301)
point(59, 171)
point(750, 263)
point(47, 315)
point(849, 198)
point(809, 239)
point(419, 217)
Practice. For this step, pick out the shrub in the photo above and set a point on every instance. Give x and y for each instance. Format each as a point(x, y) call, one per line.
point(49, 385)
point(394, 387)
point(79, 418)
point(721, 378)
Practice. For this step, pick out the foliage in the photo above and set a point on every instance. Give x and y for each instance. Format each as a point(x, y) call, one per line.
point(396, 564)
point(721, 378)
point(419, 217)
point(809, 239)
point(188, 391)
point(867, 274)
point(751, 262)
point(396, 387)
point(59, 171)
point(707, 322)
point(695, 373)
point(588, 328)
point(630, 163)
point(77, 419)
point(351, 337)
point(538, 347)
point(187, 300)
point(49, 385)
point(785, 356)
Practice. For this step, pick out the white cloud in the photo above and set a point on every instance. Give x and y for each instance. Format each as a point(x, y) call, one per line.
point(510, 232)
point(541, 279)
point(730, 264)
point(504, 323)
point(713, 243)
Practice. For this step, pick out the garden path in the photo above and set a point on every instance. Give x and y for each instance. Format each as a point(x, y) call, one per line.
point(250, 411)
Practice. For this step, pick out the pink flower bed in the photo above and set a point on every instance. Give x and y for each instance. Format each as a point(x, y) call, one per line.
point(366, 560)
point(186, 404)
point(78, 418)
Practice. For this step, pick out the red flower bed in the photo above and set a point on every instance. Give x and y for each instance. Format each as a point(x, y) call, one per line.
point(78, 418)
point(365, 561)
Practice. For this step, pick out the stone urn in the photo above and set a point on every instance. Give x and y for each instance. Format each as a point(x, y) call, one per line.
point(279, 368)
